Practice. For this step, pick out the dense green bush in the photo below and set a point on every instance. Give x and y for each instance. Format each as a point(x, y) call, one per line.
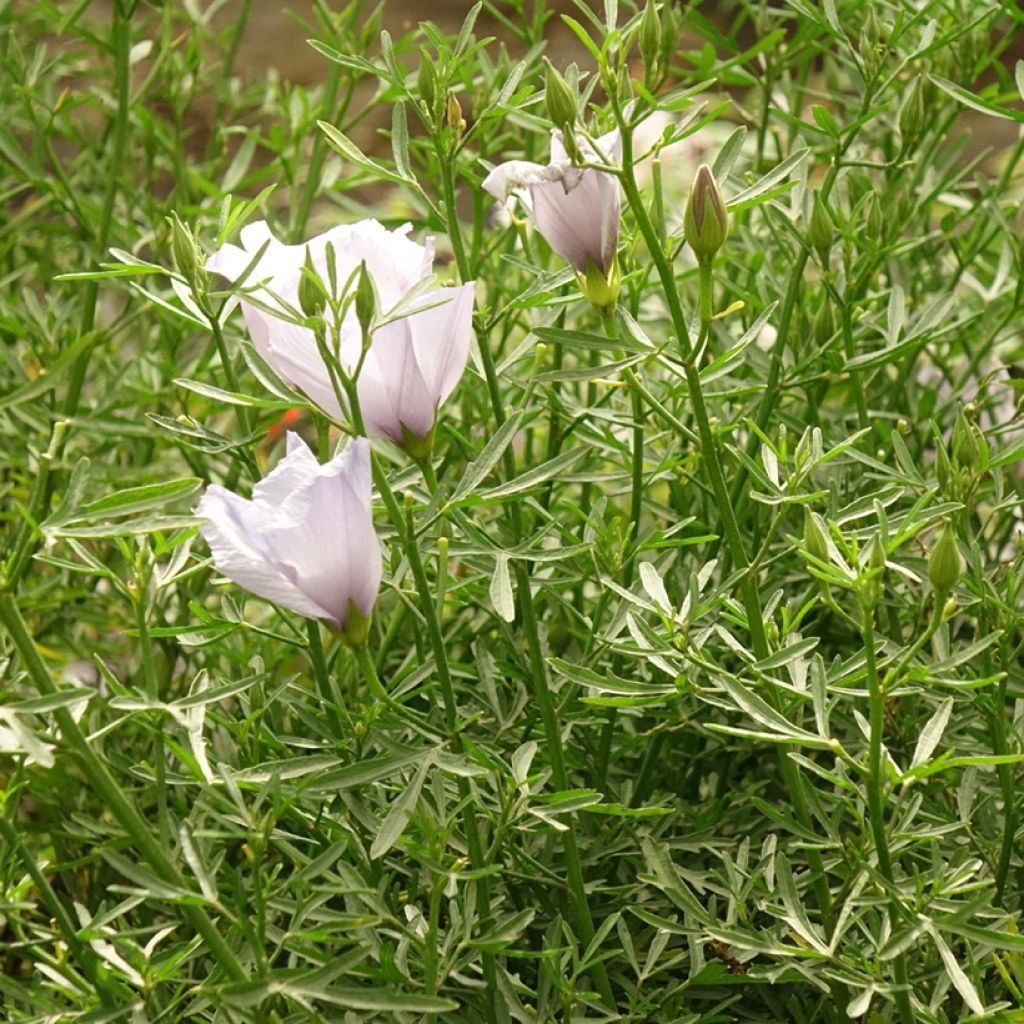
point(692, 692)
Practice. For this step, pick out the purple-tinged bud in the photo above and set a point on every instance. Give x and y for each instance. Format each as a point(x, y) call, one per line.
point(706, 222)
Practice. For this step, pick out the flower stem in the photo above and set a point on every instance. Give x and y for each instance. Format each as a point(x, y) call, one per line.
point(794, 781)
point(876, 797)
point(110, 793)
point(404, 527)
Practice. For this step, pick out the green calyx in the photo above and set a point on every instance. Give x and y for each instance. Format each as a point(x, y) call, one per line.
point(944, 561)
point(356, 631)
point(601, 290)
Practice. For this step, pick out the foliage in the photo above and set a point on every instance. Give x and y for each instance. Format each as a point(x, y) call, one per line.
point(683, 722)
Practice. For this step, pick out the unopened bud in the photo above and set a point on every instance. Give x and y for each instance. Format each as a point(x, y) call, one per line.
point(944, 561)
point(912, 113)
point(189, 258)
point(820, 230)
point(943, 470)
point(670, 25)
point(559, 98)
point(706, 222)
point(824, 325)
point(426, 81)
point(312, 297)
point(366, 299)
point(650, 38)
point(454, 113)
point(875, 222)
point(965, 442)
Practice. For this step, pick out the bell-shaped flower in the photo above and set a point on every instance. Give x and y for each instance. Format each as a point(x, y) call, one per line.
point(305, 540)
point(576, 209)
point(413, 363)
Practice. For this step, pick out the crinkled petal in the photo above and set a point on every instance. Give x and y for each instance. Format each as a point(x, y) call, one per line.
point(514, 175)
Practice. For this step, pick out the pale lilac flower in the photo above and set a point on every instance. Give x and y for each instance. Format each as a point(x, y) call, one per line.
point(413, 363)
point(575, 209)
point(305, 540)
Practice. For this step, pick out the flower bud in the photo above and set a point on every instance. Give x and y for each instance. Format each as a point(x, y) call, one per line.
point(650, 38)
point(426, 81)
point(670, 25)
point(943, 470)
point(312, 297)
point(559, 98)
point(824, 324)
point(875, 222)
point(189, 258)
point(454, 114)
point(912, 113)
point(706, 222)
point(944, 561)
point(965, 442)
point(820, 230)
point(366, 299)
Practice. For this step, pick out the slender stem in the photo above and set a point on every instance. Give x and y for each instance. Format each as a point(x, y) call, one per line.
point(121, 42)
point(314, 168)
point(792, 777)
point(325, 685)
point(405, 529)
point(876, 798)
point(110, 793)
point(538, 667)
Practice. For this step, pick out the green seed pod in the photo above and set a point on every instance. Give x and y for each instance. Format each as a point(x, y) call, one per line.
point(944, 561)
point(820, 229)
point(706, 222)
point(559, 99)
point(649, 38)
point(312, 297)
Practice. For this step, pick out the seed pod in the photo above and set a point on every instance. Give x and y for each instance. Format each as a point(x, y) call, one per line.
point(944, 561)
point(706, 222)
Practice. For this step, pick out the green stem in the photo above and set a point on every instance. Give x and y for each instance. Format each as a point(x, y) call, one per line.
point(121, 44)
point(794, 781)
point(876, 799)
point(110, 793)
point(315, 166)
point(538, 667)
point(404, 527)
point(325, 685)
